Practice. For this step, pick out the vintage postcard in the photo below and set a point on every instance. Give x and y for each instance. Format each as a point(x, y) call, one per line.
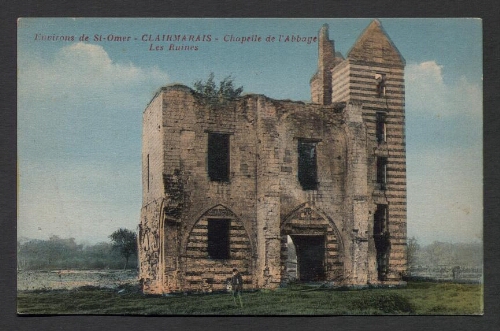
point(250, 166)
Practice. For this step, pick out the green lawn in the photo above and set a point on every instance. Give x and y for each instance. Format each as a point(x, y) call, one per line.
point(418, 298)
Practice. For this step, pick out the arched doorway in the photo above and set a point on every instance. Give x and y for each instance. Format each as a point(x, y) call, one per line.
point(311, 260)
point(311, 248)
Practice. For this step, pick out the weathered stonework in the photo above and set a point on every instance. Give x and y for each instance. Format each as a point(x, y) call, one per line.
point(347, 226)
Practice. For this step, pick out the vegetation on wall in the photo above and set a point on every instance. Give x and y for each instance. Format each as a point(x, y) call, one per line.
point(217, 95)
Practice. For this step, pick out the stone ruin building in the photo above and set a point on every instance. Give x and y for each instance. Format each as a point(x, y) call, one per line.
point(242, 183)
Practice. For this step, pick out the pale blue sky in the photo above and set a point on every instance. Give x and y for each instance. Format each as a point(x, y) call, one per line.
point(80, 106)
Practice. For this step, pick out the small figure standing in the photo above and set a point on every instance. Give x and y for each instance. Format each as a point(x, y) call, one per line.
point(237, 286)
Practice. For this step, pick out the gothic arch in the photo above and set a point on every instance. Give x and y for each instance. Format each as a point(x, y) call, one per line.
point(306, 224)
point(211, 212)
point(201, 265)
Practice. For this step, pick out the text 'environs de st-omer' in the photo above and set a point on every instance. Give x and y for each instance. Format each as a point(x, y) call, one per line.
point(178, 42)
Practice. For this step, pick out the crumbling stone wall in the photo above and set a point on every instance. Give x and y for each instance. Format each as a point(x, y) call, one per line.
point(321, 82)
point(152, 198)
point(188, 196)
point(262, 193)
point(206, 274)
point(149, 248)
point(262, 200)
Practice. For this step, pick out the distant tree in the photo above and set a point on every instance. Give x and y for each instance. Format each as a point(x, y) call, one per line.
point(439, 253)
point(412, 251)
point(126, 242)
point(225, 91)
point(64, 253)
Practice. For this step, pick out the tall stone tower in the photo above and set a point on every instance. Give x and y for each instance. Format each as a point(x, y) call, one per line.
point(372, 75)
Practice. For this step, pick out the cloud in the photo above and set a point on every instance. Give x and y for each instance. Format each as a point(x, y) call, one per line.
point(84, 72)
point(441, 113)
point(428, 93)
point(444, 155)
point(81, 101)
point(79, 142)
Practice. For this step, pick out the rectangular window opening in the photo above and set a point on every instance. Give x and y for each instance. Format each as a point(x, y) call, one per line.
point(218, 157)
point(308, 170)
point(381, 239)
point(381, 128)
point(382, 172)
point(381, 83)
point(218, 239)
point(380, 220)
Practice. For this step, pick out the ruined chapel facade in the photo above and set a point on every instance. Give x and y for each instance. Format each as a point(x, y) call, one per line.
point(238, 183)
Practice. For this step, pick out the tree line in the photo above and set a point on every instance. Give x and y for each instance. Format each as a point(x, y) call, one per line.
point(444, 254)
point(65, 253)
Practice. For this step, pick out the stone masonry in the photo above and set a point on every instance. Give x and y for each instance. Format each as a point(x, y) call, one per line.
point(234, 184)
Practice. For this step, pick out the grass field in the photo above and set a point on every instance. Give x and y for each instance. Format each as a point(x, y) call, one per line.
point(418, 298)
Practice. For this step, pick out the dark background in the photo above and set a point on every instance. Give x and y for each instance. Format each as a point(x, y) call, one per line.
point(488, 10)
